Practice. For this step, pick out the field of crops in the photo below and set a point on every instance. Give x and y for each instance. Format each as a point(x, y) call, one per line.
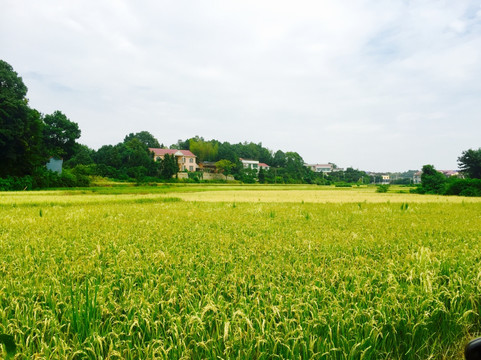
point(239, 272)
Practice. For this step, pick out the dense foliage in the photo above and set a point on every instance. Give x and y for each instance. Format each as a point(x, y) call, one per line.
point(20, 127)
point(28, 139)
point(435, 182)
point(470, 163)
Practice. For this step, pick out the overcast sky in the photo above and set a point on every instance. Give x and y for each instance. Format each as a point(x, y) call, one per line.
point(377, 85)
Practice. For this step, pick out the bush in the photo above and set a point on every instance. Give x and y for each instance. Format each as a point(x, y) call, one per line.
point(432, 181)
point(44, 178)
point(342, 184)
point(13, 183)
point(464, 187)
point(382, 188)
point(195, 176)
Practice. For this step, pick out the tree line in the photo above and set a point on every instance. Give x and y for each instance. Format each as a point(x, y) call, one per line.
point(28, 139)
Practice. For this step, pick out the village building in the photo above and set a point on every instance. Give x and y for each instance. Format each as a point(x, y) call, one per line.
point(249, 164)
point(320, 168)
point(185, 158)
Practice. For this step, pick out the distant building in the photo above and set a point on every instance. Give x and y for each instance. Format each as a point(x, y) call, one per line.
point(386, 179)
point(417, 177)
point(250, 164)
point(264, 166)
point(55, 165)
point(208, 167)
point(447, 173)
point(320, 168)
point(185, 159)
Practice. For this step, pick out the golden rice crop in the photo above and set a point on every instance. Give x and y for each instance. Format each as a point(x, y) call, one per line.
point(151, 277)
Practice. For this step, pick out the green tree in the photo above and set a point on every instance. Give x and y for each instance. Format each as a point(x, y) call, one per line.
point(470, 163)
point(279, 159)
point(248, 175)
point(225, 166)
point(262, 176)
point(82, 155)
point(145, 138)
point(20, 127)
point(181, 145)
point(60, 135)
point(169, 166)
point(226, 151)
point(204, 150)
point(109, 155)
point(352, 175)
point(432, 181)
point(135, 153)
point(296, 172)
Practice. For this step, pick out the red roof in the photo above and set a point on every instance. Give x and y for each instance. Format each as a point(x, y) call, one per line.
point(263, 165)
point(162, 152)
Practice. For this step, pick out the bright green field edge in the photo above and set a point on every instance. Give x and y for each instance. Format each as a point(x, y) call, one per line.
point(129, 278)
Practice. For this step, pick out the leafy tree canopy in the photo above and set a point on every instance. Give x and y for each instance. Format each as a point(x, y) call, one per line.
point(168, 166)
point(20, 127)
point(225, 166)
point(11, 85)
point(432, 181)
point(470, 163)
point(204, 150)
point(82, 155)
point(60, 134)
point(144, 137)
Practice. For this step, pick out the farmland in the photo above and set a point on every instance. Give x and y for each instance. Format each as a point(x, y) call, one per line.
point(239, 272)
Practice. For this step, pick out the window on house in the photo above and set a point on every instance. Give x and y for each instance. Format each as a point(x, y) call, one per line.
point(191, 168)
point(191, 160)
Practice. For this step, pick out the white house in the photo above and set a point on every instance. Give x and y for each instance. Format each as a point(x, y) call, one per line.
point(250, 164)
point(320, 168)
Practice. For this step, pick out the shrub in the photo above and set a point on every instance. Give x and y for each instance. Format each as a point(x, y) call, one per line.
point(195, 176)
point(464, 187)
point(342, 185)
point(12, 183)
point(382, 188)
point(432, 181)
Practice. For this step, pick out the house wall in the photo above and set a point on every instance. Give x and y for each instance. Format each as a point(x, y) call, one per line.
point(184, 162)
point(207, 176)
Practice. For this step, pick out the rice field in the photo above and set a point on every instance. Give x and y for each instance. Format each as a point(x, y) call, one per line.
point(239, 273)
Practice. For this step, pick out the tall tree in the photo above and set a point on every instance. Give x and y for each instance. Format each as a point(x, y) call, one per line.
point(225, 166)
point(169, 167)
point(432, 181)
point(204, 150)
point(144, 137)
point(279, 159)
point(82, 155)
point(60, 135)
point(20, 126)
point(470, 163)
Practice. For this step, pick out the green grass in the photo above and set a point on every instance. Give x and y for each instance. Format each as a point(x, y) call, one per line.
point(125, 277)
